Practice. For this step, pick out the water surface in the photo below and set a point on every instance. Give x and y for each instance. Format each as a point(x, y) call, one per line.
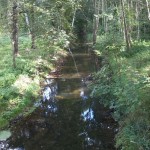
point(66, 118)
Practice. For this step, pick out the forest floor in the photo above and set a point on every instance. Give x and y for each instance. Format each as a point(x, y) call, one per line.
point(20, 87)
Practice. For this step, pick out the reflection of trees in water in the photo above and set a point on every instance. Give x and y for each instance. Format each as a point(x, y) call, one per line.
point(65, 124)
point(83, 95)
point(49, 103)
point(50, 90)
point(98, 130)
point(88, 114)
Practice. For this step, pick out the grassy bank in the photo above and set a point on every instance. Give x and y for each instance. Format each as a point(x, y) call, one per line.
point(123, 82)
point(20, 87)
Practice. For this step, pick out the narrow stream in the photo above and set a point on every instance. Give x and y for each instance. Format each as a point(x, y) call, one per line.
point(66, 118)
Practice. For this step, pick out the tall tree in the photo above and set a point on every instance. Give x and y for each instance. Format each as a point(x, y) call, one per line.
point(148, 9)
point(137, 19)
point(15, 31)
point(32, 30)
point(96, 4)
point(126, 32)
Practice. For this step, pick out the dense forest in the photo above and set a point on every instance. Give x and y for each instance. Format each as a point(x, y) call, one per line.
point(35, 36)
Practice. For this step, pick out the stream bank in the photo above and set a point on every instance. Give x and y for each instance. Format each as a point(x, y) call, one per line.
point(122, 84)
point(20, 87)
point(66, 117)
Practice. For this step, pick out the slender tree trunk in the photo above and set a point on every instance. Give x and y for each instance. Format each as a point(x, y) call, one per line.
point(95, 20)
point(129, 27)
point(148, 10)
point(120, 18)
point(137, 19)
point(103, 10)
point(32, 28)
point(104, 7)
point(106, 19)
point(94, 23)
point(27, 23)
point(14, 32)
point(125, 26)
point(73, 19)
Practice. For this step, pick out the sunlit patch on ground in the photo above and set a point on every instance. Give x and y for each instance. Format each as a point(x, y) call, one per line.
point(22, 83)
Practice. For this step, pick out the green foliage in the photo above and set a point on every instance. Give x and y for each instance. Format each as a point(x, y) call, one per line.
point(123, 83)
point(102, 85)
point(138, 48)
point(55, 38)
point(19, 87)
point(109, 41)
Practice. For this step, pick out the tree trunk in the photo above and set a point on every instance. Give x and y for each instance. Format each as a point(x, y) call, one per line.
point(32, 29)
point(137, 19)
point(14, 32)
point(105, 19)
point(94, 24)
point(129, 27)
point(73, 19)
point(27, 23)
point(125, 26)
point(95, 20)
point(148, 11)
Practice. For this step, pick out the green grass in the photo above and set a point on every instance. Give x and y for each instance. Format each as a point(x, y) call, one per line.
point(20, 87)
point(134, 79)
point(124, 84)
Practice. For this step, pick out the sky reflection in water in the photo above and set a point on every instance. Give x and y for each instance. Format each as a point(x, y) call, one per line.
point(73, 122)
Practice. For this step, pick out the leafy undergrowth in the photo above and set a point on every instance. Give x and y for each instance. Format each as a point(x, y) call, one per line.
point(124, 85)
point(20, 87)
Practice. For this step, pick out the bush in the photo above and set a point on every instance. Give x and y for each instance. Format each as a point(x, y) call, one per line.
point(123, 83)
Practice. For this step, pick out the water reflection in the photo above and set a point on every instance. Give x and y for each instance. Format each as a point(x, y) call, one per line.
point(88, 114)
point(50, 89)
point(73, 122)
point(69, 125)
point(83, 95)
point(99, 127)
